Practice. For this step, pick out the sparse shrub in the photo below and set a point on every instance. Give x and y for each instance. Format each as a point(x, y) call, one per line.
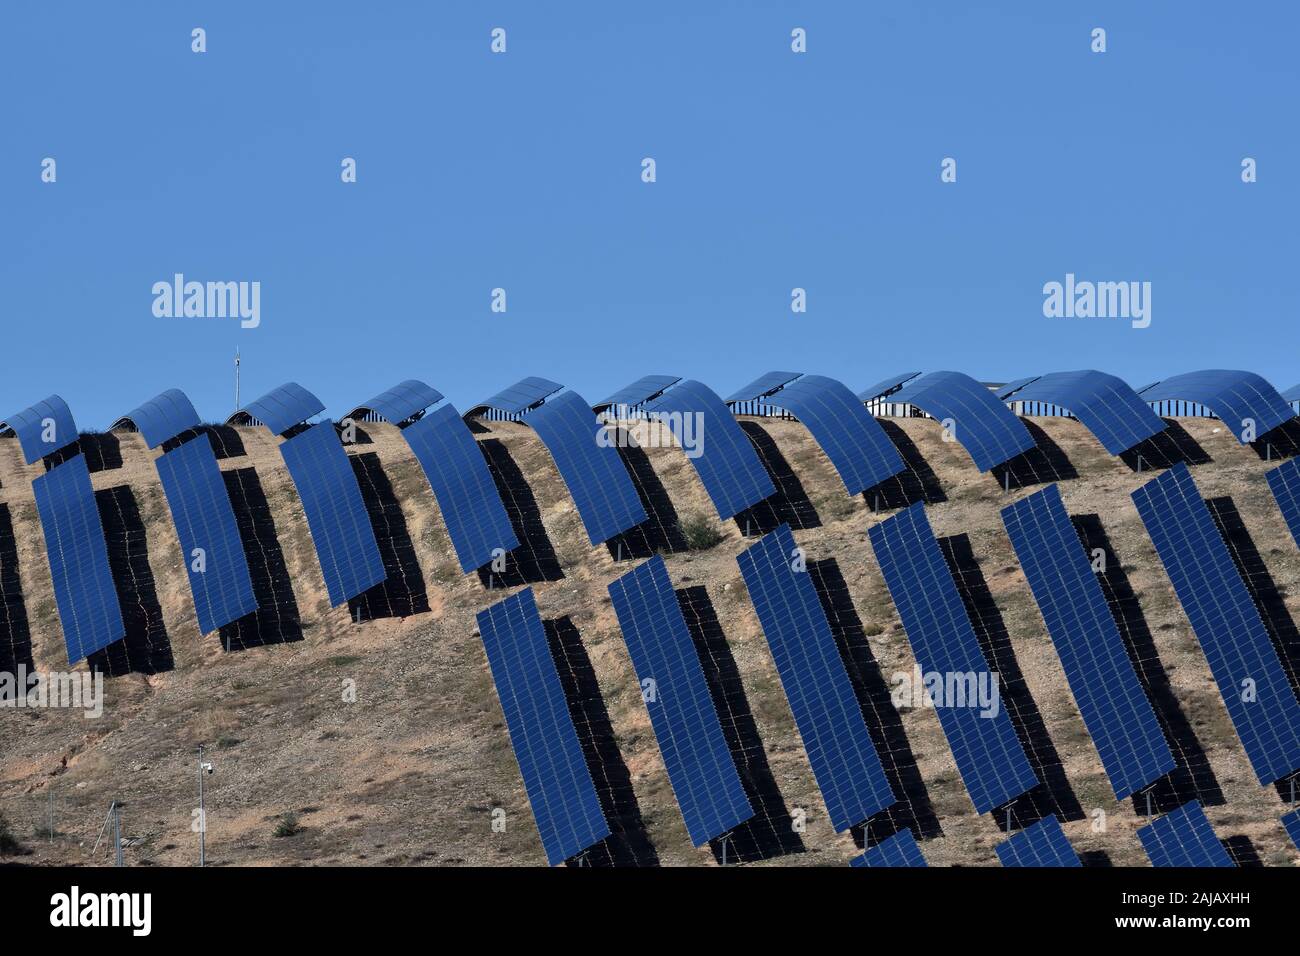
point(287, 825)
point(225, 743)
point(9, 845)
point(701, 532)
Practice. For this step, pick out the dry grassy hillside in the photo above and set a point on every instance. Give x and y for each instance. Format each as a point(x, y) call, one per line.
point(411, 771)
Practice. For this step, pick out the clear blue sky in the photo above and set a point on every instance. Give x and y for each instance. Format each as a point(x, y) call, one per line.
point(522, 170)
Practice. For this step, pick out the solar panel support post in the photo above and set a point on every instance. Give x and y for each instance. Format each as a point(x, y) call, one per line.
point(203, 816)
point(118, 857)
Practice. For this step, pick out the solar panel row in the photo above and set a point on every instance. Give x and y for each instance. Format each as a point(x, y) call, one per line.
point(404, 400)
point(1106, 406)
point(639, 392)
point(885, 387)
point(764, 385)
point(900, 850)
point(980, 423)
point(1041, 845)
point(520, 397)
point(1183, 837)
point(1226, 622)
point(162, 417)
point(281, 408)
point(834, 732)
point(556, 778)
point(989, 756)
point(42, 429)
point(673, 687)
point(1284, 482)
point(1238, 398)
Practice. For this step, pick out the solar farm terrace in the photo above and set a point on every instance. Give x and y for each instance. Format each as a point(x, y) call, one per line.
point(932, 621)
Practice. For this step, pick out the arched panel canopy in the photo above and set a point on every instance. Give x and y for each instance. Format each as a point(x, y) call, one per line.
point(1107, 406)
point(162, 417)
point(404, 402)
point(985, 427)
point(279, 409)
point(1235, 397)
point(643, 390)
point(42, 429)
point(525, 394)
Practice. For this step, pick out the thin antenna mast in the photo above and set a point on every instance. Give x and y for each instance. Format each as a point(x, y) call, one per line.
point(236, 378)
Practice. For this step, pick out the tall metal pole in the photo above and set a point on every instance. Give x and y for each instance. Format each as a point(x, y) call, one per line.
point(203, 816)
point(117, 833)
point(236, 379)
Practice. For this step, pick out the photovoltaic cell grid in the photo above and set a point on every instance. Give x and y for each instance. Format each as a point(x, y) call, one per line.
point(204, 519)
point(853, 440)
point(1292, 823)
point(162, 417)
point(519, 397)
point(594, 473)
point(400, 402)
point(727, 464)
point(985, 427)
point(556, 778)
point(281, 409)
point(700, 766)
point(1114, 707)
point(1042, 845)
point(639, 392)
point(900, 850)
point(1009, 389)
point(1225, 620)
point(1106, 406)
point(30, 425)
point(1284, 482)
point(765, 384)
point(336, 515)
point(1233, 396)
point(830, 722)
point(1183, 838)
point(989, 756)
point(886, 386)
point(467, 496)
point(74, 540)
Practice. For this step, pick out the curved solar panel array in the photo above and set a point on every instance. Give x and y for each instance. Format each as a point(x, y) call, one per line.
point(722, 455)
point(161, 418)
point(700, 767)
point(982, 425)
point(1292, 394)
point(1183, 838)
point(886, 387)
point(1041, 845)
point(638, 393)
point(764, 385)
point(834, 732)
point(556, 778)
point(900, 850)
point(1284, 482)
point(42, 429)
point(280, 409)
point(1106, 405)
point(1225, 620)
point(518, 398)
point(989, 756)
point(1235, 397)
point(403, 401)
point(1114, 707)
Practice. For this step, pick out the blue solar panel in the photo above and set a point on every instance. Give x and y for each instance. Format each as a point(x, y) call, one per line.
point(590, 465)
point(519, 397)
point(1183, 838)
point(74, 540)
point(830, 722)
point(1292, 394)
point(556, 777)
point(1106, 406)
point(162, 417)
point(1041, 845)
point(1225, 621)
point(989, 756)
point(700, 765)
point(1284, 481)
point(853, 440)
point(1111, 701)
point(204, 519)
point(900, 850)
point(336, 514)
point(1235, 397)
point(282, 408)
point(1007, 390)
point(765, 384)
point(42, 429)
point(640, 391)
point(1292, 823)
point(883, 388)
point(471, 506)
point(400, 402)
point(981, 424)
point(723, 457)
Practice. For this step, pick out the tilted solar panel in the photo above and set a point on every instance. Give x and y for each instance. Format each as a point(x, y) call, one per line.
point(556, 777)
point(205, 523)
point(676, 693)
point(42, 429)
point(1225, 620)
point(1292, 394)
point(74, 540)
point(900, 850)
point(467, 496)
point(830, 721)
point(1114, 707)
point(1041, 845)
point(639, 392)
point(853, 440)
point(519, 397)
point(282, 408)
point(989, 756)
point(1292, 823)
point(404, 400)
point(1183, 838)
point(723, 457)
point(1235, 397)
point(336, 515)
point(883, 388)
point(1106, 406)
point(590, 465)
point(980, 423)
point(1009, 389)
point(1284, 482)
point(162, 417)
point(765, 384)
